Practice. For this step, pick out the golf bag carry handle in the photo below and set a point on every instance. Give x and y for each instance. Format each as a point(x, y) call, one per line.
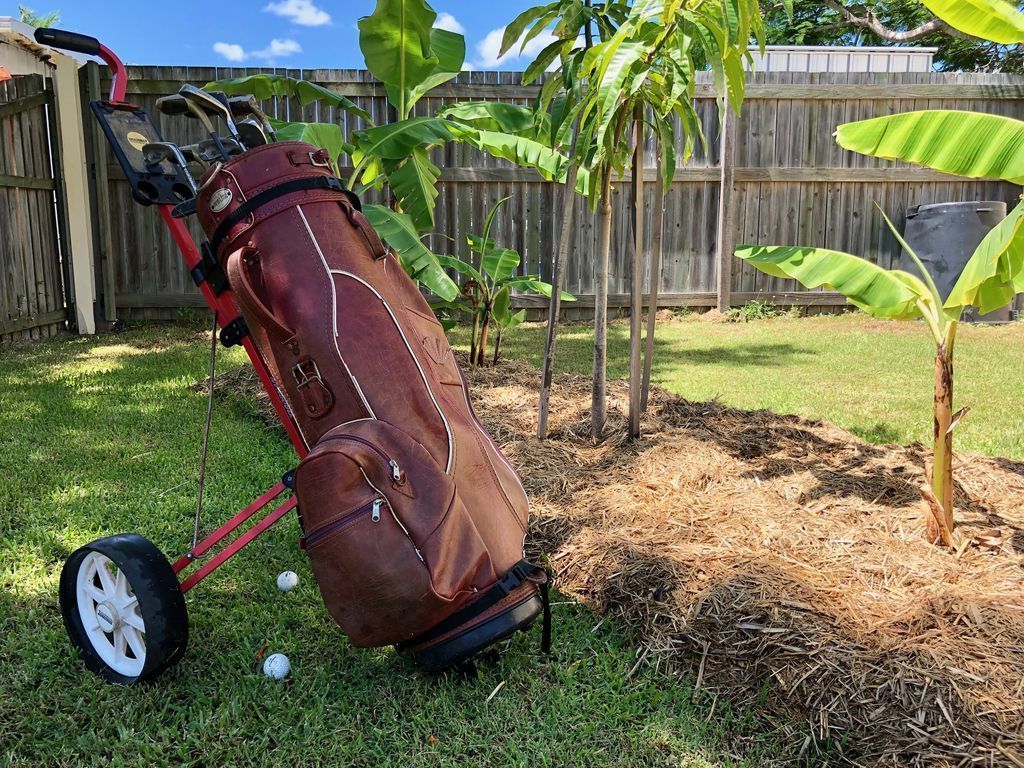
point(249, 302)
point(73, 41)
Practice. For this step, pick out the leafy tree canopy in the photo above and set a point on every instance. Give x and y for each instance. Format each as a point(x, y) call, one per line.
point(887, 23)
point(33, 19)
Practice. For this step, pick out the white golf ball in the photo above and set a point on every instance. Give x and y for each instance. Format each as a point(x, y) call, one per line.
point(287, 581)
point(277, 666)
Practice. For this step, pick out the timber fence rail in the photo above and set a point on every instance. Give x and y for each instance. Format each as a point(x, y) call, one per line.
point(787, 183)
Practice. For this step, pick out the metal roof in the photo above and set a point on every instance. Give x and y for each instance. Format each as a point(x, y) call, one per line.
point(841, 58)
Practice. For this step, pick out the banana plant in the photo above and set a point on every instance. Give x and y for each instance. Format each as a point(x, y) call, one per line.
point(487, 290)
point(995, 270)
point(967, 144)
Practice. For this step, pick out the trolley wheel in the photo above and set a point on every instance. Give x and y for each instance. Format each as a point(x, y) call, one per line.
point(123, 608)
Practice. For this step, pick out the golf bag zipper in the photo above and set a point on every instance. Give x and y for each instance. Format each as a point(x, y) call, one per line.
point(371, 508)
point(396, 471)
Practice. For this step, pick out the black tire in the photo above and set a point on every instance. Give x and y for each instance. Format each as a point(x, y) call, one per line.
point(157, 595)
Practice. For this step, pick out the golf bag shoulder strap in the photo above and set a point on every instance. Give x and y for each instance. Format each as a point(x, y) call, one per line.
point(269, 195)
point(519, 573)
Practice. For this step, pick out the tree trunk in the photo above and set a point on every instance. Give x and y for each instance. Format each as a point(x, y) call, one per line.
point(473, 340)
point(942, 467)
point(497, 346)
point(599, 406)
point(555, 305)
point(484, 326)
point(636, 305)
point(657, 225)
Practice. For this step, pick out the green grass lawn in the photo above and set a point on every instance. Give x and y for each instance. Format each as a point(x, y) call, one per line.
point(872, 377)
point(102, 437)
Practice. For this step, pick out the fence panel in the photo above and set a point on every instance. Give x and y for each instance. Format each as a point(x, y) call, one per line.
point(793, 184)
point(32, 296)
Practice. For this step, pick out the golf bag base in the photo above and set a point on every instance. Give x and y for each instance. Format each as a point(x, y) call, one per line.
point(470, 640)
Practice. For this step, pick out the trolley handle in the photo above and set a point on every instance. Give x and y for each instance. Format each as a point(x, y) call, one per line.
point(69, 41)
point(73, 41)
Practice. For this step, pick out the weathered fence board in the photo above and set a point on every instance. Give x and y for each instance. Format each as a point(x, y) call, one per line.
point(31, 297)
point(791, 183)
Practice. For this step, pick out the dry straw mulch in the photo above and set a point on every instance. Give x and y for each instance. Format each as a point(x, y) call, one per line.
point(783, 562)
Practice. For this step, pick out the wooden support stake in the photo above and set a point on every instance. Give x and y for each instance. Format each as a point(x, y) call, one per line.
point(637, 279)
point(654, 281)
point(726, 230)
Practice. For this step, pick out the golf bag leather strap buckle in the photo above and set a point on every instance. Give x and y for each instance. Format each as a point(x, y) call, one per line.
point(320, 158)
point(315, 394)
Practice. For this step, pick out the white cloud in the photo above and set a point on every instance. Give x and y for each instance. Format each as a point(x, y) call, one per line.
point(449, 22)
point(275, 49)
point(302, 12)
point(278, 48)
point(487, 51)
point(230, 51)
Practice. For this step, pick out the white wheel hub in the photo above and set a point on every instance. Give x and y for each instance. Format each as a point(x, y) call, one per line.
point(110, 615)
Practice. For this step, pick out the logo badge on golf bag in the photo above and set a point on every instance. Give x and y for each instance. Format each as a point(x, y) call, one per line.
point(220, 200)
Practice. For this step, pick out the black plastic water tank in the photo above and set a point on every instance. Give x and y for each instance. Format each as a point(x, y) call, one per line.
point(945, 235)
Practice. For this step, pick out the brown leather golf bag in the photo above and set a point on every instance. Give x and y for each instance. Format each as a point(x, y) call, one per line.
point(413, 519)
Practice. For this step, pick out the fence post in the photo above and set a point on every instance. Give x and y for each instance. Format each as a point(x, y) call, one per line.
point(77, 247)
point(726, 231)
point(101, 216)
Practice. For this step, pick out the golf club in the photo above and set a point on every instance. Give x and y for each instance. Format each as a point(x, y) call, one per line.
point(159, 152)
point(202, 105)
point(246, 105)
point(251, 133)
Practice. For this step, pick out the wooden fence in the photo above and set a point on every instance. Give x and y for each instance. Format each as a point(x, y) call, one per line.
point(792, 184)
point(32, 295)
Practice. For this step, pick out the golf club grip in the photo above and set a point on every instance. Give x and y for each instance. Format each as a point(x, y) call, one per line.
point(69, 41)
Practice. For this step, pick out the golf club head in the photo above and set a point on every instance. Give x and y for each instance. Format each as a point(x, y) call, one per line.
point(160, 152)
point(251, 133)
point(246, 105)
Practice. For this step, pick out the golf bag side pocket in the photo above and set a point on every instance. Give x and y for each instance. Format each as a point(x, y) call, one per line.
point(391, 544)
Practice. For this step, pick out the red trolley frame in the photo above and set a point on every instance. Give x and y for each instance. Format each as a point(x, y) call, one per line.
point(225, 311)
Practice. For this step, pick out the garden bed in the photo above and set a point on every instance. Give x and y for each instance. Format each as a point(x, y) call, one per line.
point(782, 561)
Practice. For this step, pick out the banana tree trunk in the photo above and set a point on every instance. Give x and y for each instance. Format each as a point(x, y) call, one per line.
point(599, 405)
point(473, 340)
point(555, 305)
point(497, 346)
point(942, 468)
point(485, 324)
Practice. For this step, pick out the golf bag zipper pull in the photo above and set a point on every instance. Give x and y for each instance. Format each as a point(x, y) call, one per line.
point(375, 515)
point(396, 472)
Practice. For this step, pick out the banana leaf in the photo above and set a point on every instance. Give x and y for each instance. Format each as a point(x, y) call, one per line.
point(879, 292)
point(422, 264)
point(995, 20)
point(414, 184)
point(968, 144)
point(267, 86)
point(396, 44)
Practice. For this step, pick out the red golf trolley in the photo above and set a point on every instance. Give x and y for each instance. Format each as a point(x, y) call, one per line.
point(419, 550)
point(121, 599)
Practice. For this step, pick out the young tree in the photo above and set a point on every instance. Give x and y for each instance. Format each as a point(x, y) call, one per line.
point(645, 62)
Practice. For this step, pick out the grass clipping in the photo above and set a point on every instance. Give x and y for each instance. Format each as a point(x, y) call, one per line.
point(783, 562)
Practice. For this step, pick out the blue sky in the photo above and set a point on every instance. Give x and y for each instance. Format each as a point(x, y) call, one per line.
point(282, 33)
